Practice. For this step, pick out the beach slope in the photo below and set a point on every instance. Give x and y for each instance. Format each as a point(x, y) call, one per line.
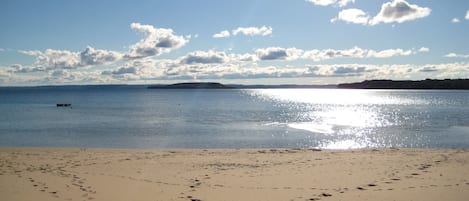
point(249, 175)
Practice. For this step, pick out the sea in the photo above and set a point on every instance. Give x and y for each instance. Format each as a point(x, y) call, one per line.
point(137, 117)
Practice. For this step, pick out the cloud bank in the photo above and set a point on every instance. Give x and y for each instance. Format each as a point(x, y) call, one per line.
point(62, 59)
point(140, 63)
point(149, 68)
point(155, 42)
point(356, 71)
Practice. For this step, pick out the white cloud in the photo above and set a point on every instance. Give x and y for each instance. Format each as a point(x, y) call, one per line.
point(356, 52)
point(58, 59)
point(340, 3)
point(338, 71)
point(352, 15)
point(18, 68)
point(2, 50)
point(253, 31)
point(388, 53)
point(202, 57)
point(243, 57)
point(64, 76)
point(341, 71)
point(30, 52)
point(318, 55)
point(5, 72)
point(399, 11)
point(230, 71)
point(91, 56)
point(61, 74)
point(454, 55)
point(214, 57)
point(63, 59)
point(424, 49)
point(455, 20)
point(248, 31)
point(150, 68)
point(428, 69)
point(222, 34)
point(122, 70)
point(155, 42)
point(452, 70)
point(139, 69)
point(278, 53)
point(467, 15)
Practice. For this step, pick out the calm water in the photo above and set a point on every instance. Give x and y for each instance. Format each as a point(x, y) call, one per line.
point(325, 118)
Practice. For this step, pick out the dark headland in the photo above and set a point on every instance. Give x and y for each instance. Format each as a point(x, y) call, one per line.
point(215, 85)
point(408, 84)
point(192, 85)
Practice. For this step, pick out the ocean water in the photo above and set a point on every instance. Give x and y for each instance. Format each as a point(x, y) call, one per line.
point(135, 117)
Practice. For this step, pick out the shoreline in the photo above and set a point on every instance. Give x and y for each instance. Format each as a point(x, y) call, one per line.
point(50, 173)
point(240, 149)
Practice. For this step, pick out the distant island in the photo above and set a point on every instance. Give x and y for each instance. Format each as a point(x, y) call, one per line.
point(192, 85)
point(215, 85)
point(408, 84)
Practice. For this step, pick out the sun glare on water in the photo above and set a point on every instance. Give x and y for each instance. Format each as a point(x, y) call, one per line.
point(346, 116)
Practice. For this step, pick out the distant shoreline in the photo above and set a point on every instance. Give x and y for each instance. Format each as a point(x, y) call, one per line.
point(458, 84)
point(446, 84)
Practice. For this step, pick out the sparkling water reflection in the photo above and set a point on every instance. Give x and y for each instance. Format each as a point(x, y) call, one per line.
point(133, 117)
point(358, 118)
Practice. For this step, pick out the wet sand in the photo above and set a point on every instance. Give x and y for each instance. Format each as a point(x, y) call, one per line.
point(41, 174)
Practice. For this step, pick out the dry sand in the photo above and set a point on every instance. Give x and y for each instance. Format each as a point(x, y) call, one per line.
point(216, 175)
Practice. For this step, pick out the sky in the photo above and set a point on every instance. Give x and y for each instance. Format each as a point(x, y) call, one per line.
point(56, 42)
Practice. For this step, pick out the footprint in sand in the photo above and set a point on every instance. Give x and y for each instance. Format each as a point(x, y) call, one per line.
point(326, 195)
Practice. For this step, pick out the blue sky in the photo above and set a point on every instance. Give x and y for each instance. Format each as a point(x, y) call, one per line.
point(246, 41)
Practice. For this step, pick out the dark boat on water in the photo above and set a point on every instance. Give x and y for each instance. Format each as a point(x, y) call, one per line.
point(64, 105)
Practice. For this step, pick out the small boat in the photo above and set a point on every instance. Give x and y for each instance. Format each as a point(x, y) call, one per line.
point(64, 105)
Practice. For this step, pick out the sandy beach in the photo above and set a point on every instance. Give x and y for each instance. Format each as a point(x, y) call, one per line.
point(216, 175)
